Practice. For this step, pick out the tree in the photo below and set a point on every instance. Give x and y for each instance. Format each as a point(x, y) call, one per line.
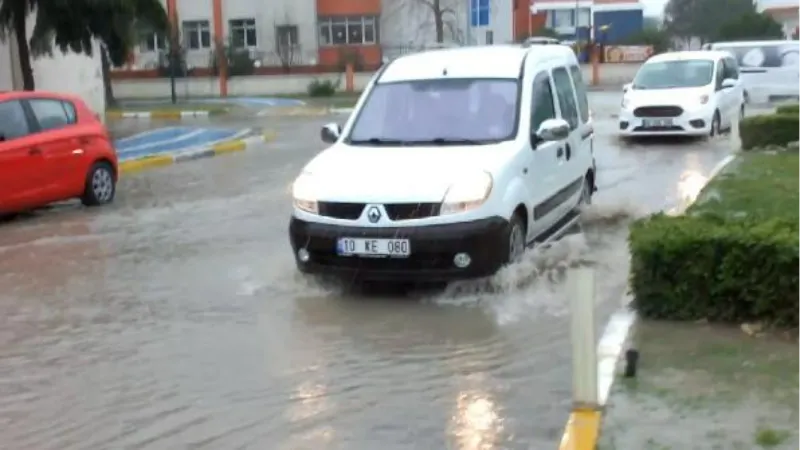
point(420, 17)
point(13, 21)
point(750, 26)
point(658, 39)
point(701, 19)
point(73, 25)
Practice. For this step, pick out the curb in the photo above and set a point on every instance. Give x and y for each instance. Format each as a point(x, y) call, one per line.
point(303, 111)
point(582, 430)
point(221, 148)
point(119, 115)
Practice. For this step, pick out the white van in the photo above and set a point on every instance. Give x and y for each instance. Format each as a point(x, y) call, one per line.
point(452, 162)
point(691, 93)
point(770, 69)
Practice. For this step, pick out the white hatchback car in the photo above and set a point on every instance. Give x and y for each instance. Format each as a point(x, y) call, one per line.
point(452, 162)
point(694, 93)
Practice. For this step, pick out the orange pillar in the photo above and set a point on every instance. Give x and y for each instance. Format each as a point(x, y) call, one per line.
point(349, 77)
point(222, 60)
point(172, 11)
point(595, 56)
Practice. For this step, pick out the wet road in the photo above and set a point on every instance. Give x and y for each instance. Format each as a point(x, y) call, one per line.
point(175, 319)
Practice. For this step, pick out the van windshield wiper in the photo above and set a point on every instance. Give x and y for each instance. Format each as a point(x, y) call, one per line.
point(455, 141)
point(378, 141)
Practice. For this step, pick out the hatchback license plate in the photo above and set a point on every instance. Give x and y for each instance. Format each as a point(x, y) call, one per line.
point(373, 247)
point(656, 123)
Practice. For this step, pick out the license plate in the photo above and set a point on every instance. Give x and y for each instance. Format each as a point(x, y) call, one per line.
point(656, 123)
point(373, 247)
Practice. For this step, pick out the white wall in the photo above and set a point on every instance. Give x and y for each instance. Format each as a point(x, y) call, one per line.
point(6, 74)
point(70, 73)
point(611, 75)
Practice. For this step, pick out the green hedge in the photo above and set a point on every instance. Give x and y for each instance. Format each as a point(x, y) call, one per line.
point(722, 270)
point(769, 130)
point(788, 109)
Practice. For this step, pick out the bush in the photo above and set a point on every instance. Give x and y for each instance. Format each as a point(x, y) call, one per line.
point(691, 268)
point(322, 88)
point(788, 109)
point(768, 130)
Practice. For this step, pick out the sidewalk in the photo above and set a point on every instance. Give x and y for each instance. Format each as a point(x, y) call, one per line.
point(705, 387)
point(170, 145)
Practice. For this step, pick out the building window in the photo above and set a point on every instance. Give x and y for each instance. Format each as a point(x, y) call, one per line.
point(151, 42)
point(584, 17)
point(348, 30)
point(561, 18)
point(286, 35)
point(243, 33)
point(197, 34)
point(479, 12)
point(489, 37)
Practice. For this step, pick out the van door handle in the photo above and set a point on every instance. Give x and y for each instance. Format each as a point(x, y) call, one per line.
point(35, 151)
point(560, 152)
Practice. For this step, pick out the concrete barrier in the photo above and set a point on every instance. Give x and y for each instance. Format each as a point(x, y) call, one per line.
point(611, 76)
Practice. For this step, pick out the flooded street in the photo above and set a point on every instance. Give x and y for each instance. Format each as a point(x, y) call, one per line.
point(175, 317)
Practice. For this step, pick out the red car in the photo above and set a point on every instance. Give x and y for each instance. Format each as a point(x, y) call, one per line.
point(52, 148)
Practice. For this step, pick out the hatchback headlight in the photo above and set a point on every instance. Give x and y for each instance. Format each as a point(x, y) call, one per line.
point(304, 193)
point(467, 192)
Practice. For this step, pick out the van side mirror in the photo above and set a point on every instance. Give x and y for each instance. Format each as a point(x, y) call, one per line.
point(552, 130)
point(330, 133)
point(728, 83)
point(626, 87)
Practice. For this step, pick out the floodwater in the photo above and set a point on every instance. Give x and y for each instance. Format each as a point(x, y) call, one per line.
point(175, 318)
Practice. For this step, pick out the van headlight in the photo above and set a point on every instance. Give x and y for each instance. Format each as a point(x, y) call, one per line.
point(466, 193)
point(304, 193)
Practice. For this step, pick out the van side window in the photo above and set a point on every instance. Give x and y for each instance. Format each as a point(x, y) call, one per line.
point(580, 89)
point(543, 106)
point(720, 74)
point(51, 114)
point(731, 68)
point(566, 97)
point(13, 122)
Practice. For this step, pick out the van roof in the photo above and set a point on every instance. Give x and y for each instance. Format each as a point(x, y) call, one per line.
point(693, 54)
point(490, 61)
point(752, 43)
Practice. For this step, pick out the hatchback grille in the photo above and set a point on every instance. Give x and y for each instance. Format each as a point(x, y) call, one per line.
point(407, 211)
point(658, 111)
point(339, 210)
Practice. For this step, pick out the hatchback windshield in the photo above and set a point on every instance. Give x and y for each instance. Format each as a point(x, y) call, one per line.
point(674, 74)
point(441, 112)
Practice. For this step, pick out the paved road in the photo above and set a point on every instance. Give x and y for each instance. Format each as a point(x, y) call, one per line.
point(174, 318)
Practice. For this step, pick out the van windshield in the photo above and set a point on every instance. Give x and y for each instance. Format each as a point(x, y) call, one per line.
point(675, 74)
point(438, 112)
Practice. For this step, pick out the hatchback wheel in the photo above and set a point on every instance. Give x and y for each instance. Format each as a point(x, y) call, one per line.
point(101, 185)
point(715, 124)
point(516, 239)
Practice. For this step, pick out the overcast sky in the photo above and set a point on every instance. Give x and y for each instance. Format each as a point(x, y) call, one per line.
point(653, 7)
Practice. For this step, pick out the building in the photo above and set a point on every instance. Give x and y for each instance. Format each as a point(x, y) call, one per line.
point(609, 21)
point(319, 35)
point(784, 12)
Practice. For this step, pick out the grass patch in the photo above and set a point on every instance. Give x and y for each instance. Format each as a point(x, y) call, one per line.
point(756, 185)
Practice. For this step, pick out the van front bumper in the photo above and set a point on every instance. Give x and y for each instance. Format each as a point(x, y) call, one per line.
point(433, 249)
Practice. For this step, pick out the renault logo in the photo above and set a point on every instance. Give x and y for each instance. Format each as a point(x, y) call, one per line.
point(374, 214)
